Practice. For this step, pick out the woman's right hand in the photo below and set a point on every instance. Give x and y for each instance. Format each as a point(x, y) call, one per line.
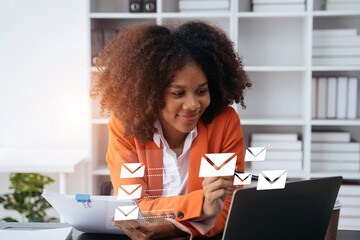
point(216, 189)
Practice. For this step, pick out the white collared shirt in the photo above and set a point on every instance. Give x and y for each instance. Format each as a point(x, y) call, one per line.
point(175, 169)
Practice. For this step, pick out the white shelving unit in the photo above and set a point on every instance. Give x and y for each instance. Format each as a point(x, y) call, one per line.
point(276, 49)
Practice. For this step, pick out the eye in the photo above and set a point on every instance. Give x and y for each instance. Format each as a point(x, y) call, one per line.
point(178, 94)
point(202, 91)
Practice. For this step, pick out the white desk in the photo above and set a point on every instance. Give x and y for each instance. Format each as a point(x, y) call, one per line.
point(42, 160)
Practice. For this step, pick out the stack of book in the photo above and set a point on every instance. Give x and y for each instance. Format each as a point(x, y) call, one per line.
point(349, 196)
point(284, 151)
point(342, 5)
point(333, 151)
point(204, 5)
point(278, 5)
point(335, 97)
point(336, 47)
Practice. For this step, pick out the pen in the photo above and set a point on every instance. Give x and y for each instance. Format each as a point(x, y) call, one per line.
point(253, 177)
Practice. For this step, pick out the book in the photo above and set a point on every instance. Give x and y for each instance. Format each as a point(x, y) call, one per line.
point(288, 165)
point(351, 223)
point(331, 97)
point(279, 8)
point(274, 137)
point(349, 200)
point(334, 166)
point(342, 1)
point(350, 211)
point(349, 190)
point(286, 146)
point(314, 101)
point(342, 98)
point(284, 155)
point(335, 147)
point(330, 137)
point(352, 100)
point(345, 41)
point(278, 1)
point(342, 6)
point(321, 61)
point(204, 5)
point(335, 156)
point(336, 51)
point(321, 97)
point(341, 32)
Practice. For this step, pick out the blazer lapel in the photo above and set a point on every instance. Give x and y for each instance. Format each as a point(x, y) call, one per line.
point(198, 149)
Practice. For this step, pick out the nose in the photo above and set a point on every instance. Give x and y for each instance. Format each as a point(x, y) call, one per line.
point(191, 103)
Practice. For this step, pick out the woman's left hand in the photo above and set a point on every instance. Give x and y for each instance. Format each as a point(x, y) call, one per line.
point(155, 228)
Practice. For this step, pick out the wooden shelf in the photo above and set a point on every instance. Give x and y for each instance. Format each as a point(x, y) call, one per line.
point(123, 15)
point(335, 68)
point(198, 14)
point(270, 15)
point(274, 68)
point(272, 121)
point(335, 13)
point(335, 122)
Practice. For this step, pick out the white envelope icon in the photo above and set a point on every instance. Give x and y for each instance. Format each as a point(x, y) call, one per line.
point(274, 179)
point(242, 178)
point(217, 164)
point(132, 170)
point(126, 212)
point(132, 191)
point(255, 154)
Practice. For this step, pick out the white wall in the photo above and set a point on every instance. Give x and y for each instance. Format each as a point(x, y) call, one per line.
point(44, 55)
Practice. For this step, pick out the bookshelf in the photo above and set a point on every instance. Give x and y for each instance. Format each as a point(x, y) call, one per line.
point(277, 53)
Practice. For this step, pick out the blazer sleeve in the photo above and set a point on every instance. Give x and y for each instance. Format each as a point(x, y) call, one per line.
point(124, 150)
point(232, 142)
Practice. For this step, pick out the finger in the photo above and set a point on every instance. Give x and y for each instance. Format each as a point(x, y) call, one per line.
point(209, 180)
point(132, 229)
point(218, 194)
point(218, 184)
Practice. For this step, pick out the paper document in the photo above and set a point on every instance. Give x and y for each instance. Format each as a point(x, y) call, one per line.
point(94, 218)
point(53, 234)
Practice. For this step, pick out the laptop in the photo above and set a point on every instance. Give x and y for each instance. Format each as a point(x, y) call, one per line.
point(301, 210)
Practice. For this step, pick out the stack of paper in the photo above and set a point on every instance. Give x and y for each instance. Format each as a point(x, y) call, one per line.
point(349, 196)
point(336, 47)
point(204, 5)
point(278, 5)
point(284, 151)
point(342, 5)
point(335, 97)
point(333, 151)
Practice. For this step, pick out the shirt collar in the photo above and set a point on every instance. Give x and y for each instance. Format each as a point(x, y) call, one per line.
point(159, 135)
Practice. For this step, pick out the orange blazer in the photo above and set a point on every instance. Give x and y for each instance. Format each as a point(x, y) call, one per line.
point(222, 135)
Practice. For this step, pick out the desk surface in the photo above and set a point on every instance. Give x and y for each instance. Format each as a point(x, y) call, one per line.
point(77, 235)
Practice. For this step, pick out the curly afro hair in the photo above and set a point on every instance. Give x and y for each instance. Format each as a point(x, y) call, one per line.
point(138, 65)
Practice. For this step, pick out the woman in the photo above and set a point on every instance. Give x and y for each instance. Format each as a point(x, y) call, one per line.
point(169, 91)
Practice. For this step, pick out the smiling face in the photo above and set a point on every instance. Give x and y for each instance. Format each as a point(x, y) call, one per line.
point(186, 99)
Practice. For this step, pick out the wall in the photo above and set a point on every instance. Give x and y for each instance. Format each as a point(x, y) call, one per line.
point(44, 48)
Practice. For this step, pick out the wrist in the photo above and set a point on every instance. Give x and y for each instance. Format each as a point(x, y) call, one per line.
point(176, 232)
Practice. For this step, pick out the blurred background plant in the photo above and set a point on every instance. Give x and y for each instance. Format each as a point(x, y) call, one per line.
point(26, 198)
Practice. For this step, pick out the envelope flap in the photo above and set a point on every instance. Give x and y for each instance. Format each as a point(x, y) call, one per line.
point(243, 176)
point(256, 150)
point(126, 210)
point(219, 158)
point(133, 166)
point(129, 189)
point(273, 174)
